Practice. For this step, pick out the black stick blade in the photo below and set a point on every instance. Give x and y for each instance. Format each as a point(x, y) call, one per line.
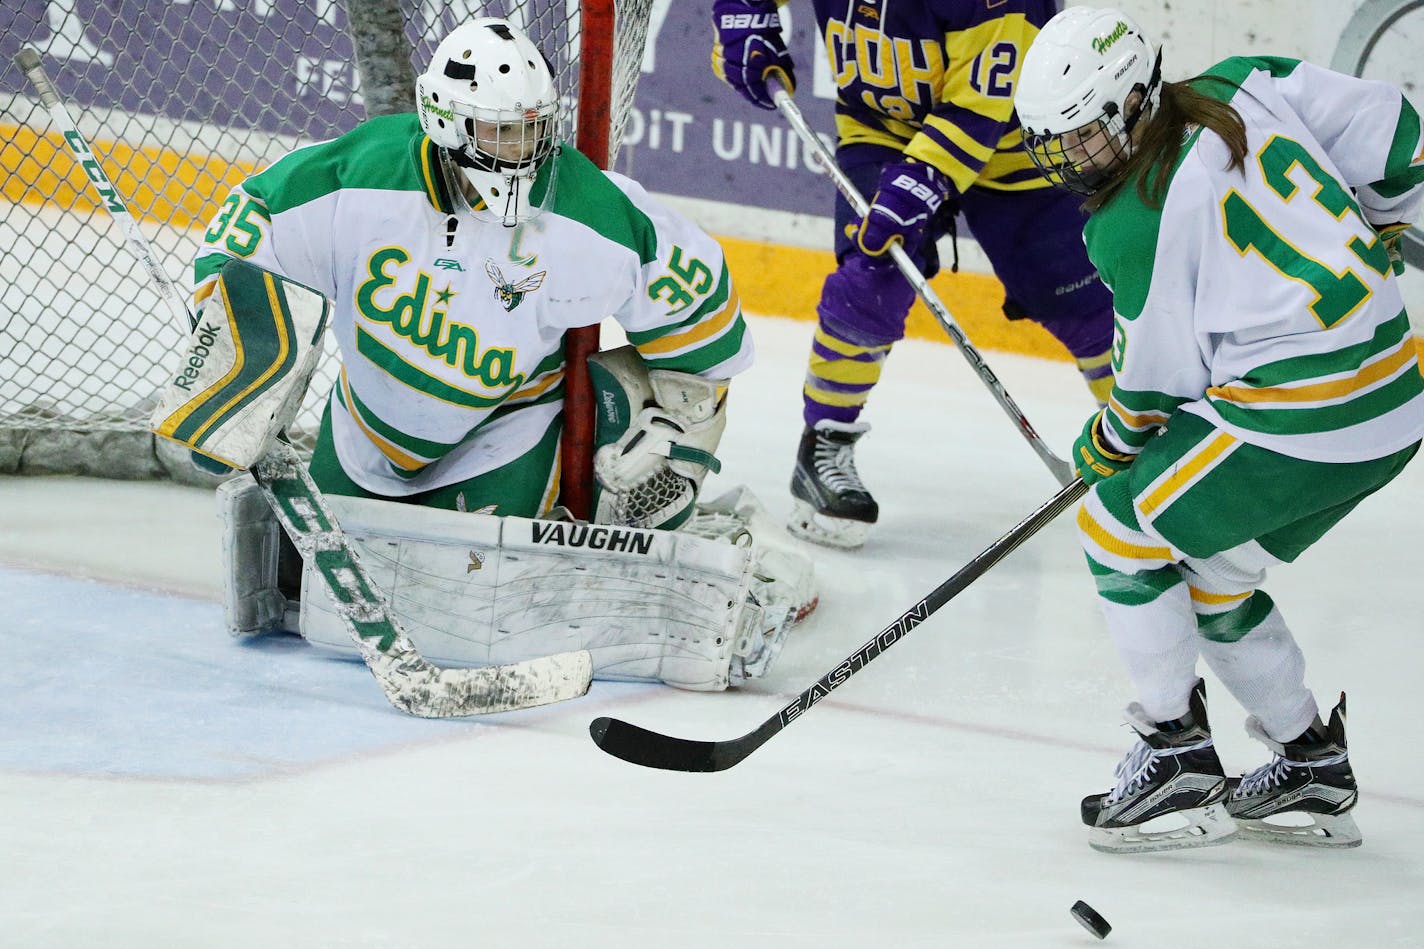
point(650, 749)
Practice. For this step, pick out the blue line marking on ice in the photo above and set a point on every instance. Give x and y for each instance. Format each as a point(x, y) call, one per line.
point(100, 680)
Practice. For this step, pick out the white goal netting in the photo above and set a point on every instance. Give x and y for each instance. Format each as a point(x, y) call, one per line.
point(180, 101)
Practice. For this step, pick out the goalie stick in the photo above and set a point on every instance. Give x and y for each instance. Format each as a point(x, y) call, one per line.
point(410, 682)
point(1060, 469)
point(651, 749)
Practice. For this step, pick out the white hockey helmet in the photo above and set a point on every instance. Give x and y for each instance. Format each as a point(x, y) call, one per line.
point(488, 100)
point(1073, 90)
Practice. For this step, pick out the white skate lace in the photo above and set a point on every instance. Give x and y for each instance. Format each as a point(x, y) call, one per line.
point(1134, 770)
point(835, 466)
point(1265, 778)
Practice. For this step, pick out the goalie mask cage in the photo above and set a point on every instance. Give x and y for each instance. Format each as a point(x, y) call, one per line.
point(180, 101)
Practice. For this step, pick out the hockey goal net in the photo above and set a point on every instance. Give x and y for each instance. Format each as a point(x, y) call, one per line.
point(180, 102)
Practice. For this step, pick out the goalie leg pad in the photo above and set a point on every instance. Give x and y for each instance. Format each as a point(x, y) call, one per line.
point(474, 589)
point(257, 562)
point(246, 367)
point(783, 574)
point(656, 433)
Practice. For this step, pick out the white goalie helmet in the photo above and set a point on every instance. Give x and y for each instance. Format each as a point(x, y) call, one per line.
point(488, 101)
point(1073, 90)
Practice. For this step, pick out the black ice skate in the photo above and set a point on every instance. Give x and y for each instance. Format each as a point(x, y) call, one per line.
point(832, 506)
point(1304, 795)
point(1171, 780)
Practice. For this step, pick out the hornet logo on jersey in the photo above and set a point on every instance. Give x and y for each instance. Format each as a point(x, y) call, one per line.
point(512, 294)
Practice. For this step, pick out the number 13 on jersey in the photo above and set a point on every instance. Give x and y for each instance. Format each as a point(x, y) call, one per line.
point(1337, 295)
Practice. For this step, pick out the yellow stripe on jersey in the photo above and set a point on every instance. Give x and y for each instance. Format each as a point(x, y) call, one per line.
point(427, 172)
point(1382, 368)
point(1180, 475)
point(1016, 163)
point(538, 387)
point(1116, 545)
point(698, 332)
point(396, 457)
point(895, 134)
point(961, 138)
point(1137, 421)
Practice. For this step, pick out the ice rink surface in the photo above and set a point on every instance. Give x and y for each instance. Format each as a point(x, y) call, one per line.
point(163, 784)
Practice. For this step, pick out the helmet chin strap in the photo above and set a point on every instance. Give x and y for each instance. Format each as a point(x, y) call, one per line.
point(511, 199)
point(1149, 99)
point(513, 187)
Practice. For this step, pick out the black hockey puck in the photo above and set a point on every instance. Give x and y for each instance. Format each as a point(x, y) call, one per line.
point(1091, 919)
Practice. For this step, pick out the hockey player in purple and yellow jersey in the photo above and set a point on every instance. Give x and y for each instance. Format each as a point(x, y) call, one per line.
point(924, 122)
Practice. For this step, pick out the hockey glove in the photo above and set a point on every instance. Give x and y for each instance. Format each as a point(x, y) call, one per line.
point(1393, 235)
point(909, 195)
point(1096, 460)
point(750, 48)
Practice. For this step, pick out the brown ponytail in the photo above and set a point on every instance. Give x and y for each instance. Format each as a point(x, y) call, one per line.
point(1160, 139)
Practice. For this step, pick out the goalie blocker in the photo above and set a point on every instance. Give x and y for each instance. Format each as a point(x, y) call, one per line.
point(699, 609)
point(246, 368)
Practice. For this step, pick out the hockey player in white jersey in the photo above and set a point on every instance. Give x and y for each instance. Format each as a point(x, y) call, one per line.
point(1265, 383)
point(456, 245)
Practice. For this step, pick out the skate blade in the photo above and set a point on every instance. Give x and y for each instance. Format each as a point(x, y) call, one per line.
point(808, 524)
point(1200, 827)
point(1336, 831)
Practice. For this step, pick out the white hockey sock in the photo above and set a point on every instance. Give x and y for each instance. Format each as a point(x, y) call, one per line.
point(1158, 643)
point(1265, 671)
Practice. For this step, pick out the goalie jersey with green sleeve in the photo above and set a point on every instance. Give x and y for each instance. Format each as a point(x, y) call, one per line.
point(1269, 308)
point(451, 328)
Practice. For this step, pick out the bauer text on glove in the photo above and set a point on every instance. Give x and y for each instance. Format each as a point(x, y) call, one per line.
point(909, 196)
point(750, 49)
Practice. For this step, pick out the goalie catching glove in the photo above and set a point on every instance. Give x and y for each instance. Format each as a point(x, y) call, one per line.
point(246, 368)
point(656, 432)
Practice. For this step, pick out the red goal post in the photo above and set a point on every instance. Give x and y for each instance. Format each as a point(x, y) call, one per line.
point(181, 100)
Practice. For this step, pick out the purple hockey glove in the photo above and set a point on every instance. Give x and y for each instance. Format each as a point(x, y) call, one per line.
point(749, 48)
point(909, 195)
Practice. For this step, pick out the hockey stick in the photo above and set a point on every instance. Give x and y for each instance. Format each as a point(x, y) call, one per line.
point(409, 681)
point(650, 749)
point(1060, 469)
point(28, 61)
